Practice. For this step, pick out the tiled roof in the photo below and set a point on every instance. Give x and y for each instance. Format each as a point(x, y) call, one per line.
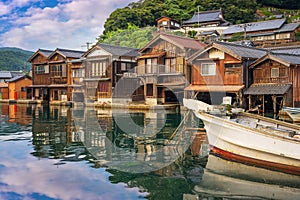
point(71, 53)
point(295, 50)
point(17, 78)
point(288, 27)
point(119, 50)
point(184, 42)
point(206, 16)
point(255, 26)
point(267, 89)
point(5, 74)
point(241, 50)
point(46, 52)
point(291, 59)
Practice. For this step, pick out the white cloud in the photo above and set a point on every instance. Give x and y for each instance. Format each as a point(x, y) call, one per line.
point(4, 9)
point(68, 25)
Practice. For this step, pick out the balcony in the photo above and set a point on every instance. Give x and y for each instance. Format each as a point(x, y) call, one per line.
point(58, 80)
point(159, 69)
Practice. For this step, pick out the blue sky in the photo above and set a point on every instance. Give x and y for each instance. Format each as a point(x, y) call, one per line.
point(50, 24)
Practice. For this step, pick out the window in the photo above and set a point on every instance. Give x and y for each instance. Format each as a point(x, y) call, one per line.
point(123, 66)
point(151, 65)
point(78, 72)
point(170, 65)
point(56, 70)
point(164, 23)
point(208, 69)
point(41, 69)
point(99, 68)
point(274, 72)
point(233, 65)
point(149, 91)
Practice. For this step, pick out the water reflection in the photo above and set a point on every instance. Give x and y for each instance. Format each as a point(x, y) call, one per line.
point(232, 180)
point(79, 153)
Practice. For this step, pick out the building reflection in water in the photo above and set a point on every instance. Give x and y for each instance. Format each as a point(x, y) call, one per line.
point(135, 141)
point(15, 122)
point(161, 153)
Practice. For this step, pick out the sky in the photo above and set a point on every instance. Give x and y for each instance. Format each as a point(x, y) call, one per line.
point(51, 24)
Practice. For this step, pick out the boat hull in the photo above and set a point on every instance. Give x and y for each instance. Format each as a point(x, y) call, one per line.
point(241, 142)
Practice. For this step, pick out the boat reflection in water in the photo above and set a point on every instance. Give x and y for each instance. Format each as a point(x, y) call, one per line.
point(233, 180)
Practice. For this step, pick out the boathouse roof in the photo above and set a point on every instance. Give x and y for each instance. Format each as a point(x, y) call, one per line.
point(292, 50)
point(267, 89)
point(119, 50)
point(180, 41)
point(14, 79)
point(68, 53)
point(236, 50)
point(44, 52)
point(285, 59)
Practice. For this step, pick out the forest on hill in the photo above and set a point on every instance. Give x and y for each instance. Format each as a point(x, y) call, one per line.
point(14, 59)
point(145, 12)
point(122, 24)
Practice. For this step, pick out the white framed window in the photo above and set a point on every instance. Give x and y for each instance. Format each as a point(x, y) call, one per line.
point(42, 69)
point(274, 72)
point(208, 69)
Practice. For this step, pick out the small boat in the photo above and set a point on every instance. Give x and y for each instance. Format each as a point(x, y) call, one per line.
point(290, 114)
point(234, 180)
point(251, 138)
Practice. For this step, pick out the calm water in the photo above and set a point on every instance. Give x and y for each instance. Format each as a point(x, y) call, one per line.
point(80, 153)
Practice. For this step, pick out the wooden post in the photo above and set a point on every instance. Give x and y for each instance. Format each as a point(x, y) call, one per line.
point(263, 103)
point(249, 102)
point(274, 104)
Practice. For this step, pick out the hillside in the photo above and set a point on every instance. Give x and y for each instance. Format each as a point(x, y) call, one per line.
point(145, 12)
point(14, 59)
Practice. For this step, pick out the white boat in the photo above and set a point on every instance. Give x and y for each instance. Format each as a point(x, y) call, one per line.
point(254, 139)
point(233, 180)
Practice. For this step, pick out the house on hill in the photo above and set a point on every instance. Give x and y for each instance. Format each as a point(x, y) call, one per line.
point(275, 82)
point(167, 24)
point(208, 24)
point(220, 70)
point(104, 66)
point(162, 73)
point(264, 33)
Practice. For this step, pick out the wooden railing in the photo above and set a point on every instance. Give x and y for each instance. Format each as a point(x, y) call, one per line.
point(58, 80)
point(272, 80)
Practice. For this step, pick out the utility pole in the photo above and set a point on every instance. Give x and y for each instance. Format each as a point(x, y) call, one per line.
point(198, 16)
point(87, 45)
